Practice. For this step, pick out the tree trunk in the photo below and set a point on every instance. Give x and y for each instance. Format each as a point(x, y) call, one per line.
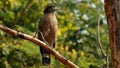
point(112, 10)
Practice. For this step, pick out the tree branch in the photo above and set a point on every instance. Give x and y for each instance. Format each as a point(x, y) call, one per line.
point(99, 43)
point(98, 37)
point(39, 43)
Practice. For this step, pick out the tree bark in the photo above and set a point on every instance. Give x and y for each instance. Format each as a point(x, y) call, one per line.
point(39, 43)
point(112, 10)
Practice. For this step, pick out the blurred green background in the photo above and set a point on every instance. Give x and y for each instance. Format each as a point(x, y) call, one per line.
point(77, 35)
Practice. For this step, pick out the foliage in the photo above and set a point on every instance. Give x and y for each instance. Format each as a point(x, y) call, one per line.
point(77, 35)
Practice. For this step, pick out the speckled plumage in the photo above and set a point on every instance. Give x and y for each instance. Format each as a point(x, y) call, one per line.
point(48, 26)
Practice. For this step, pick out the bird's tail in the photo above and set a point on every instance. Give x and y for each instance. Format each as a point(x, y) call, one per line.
point(46, 59)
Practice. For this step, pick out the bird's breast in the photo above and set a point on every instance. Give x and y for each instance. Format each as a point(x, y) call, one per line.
point(50, 28)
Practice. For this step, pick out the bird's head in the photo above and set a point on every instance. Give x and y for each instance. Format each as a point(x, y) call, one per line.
point(50, 9)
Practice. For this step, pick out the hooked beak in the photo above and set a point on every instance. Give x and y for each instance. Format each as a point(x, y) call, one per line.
point(55, 8)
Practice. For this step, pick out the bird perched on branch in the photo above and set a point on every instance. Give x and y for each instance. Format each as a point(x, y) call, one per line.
point(47, 31)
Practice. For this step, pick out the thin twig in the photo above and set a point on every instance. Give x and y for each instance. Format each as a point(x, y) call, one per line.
point(35, 34)
point(107, 58)
point(98, 37)
point(99, 42)
point(41, 36)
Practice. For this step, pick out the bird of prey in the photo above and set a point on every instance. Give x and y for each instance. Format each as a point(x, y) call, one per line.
point(47, 31)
